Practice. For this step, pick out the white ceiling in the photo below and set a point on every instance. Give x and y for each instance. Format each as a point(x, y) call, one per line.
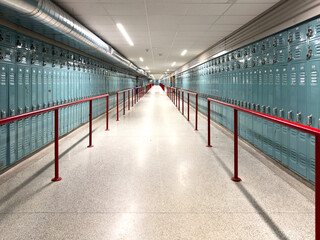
point(164, 27)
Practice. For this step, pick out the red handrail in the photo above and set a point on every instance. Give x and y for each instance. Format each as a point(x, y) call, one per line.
point(174, 95)
point(56, 126)
point(309, 130)
point(124, 101)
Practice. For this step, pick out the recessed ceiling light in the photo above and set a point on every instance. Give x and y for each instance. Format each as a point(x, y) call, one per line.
point(174, 63)
point(147, 67)
point(184, 52)
point(168, 70)
point(141, 59)
point(125, 34)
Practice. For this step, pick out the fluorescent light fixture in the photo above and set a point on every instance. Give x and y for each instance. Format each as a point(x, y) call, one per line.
point(219, 54)
point(174, 63)
point(125, 34)
point(147, 67)
point(141, 59)
point(168, 70)
point(184, 52)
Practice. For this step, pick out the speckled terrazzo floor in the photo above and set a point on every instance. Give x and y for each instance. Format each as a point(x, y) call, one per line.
point(151, 177)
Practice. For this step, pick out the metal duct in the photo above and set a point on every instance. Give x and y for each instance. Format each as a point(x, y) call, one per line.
point(50, 15)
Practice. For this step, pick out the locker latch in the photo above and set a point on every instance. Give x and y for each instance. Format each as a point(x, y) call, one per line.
point(263, 47)
point(18, 59)
point(44, 63)
point(44, 50)
point(275, 111)
point(290, 39)
point(11, 112)
point(263, 62)
point(275, 59)
point(275, 43)
point(1, 57)
point(309, 54)
point(309, 34)
point(39, 106)
point(290, 57)
point(44, 105)
point(281, 113)
point(32, 47)
point(34, 107)
point(253, 64)
point(309, 120)
point(299, 117)
point(253, 50)
point(239, 54)
point(3, 114)
point(290, 115)
point(1, 38)
point(249, 105)
point(61, 65)
point(258, 107)
point(263, 109)
point(268, 110)
point(19, 44)
point(20, 110)
point(253, 106)
point(32, 61)
point(27, 109)
point(53, 63)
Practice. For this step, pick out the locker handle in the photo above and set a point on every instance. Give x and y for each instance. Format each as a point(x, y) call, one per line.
point(1, 57)
point(309, 54)
point(20, 110)
point(268, 110)
point(263, 109)
point(299, 117)
point(11, 112)
point(275, 111)
point(310, 120)
point(253, 106)
point(282, 113)
point(1, 38)
point(3, 114)
point(34, 107)
point(290, 115)
point(39, 106)
point(44, 105)
point(27, 109)
point(309, 34)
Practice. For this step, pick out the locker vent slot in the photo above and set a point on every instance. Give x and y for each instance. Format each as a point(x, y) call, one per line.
point(302, 78)
point(314, 77)
point(277, 79)
point(284, 79)
point(318, 49)
point(298, 53)
point(297, 35)
point(318, 28)
point(293, 78)
point(281, 57)
point(270, 78)
point(3, 77)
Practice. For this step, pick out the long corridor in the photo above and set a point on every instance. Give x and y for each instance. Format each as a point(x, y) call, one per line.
point(151, 177)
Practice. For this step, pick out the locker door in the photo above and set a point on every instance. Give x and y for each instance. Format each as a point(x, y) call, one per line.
point(293, 134)
point(34, 119)
point(50, 103)
point(45, 104)
point(269, 104)
point(259, 130)
point(283, 114)
point(275, 111)
point(313, 107)
point(40, 118)
point(301, 117)
point(20, 123)
point(264, 105)
point(13, 107)
point(3, 113)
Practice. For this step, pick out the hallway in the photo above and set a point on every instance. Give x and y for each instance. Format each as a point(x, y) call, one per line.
point(151, 177)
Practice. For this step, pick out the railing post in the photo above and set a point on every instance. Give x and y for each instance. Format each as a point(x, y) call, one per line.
point(107, 115)
point(135, 95)
point(196, 125)
point(317, 185)
point(208, 108)
point(124, 103)
point(182, 103)
point(132, 97)
point(178, 100)
point(56, 147)
point(235, 134)
point(128, 100)
point(117, 106)
point(90, 125)
point(188, 106)
point(176, 97)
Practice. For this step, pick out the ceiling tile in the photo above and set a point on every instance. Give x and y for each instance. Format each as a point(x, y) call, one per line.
point(225, 20)
point(207, 9)
point(247, 9)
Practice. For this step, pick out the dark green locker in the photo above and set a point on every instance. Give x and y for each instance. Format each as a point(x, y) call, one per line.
point(40, 101)
point(13, 96)
point(4, 108)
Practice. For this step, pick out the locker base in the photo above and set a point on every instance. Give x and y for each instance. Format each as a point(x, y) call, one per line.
point(208, 146)
point(90, 146)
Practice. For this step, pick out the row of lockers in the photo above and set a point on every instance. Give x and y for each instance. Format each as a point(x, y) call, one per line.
point(27, 86)
point(288, 89)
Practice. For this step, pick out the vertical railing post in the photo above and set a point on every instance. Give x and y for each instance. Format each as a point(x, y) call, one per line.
point(209, 135)
point(56, 147)
point(107, 114)
point(196, 125)
point(176, 97)
point(317, 185)
point(129, 100)
point(188, 106)
point(182, 103)
point(132, 97)
point(90, 124)
point(235, 136)
point(178, 100)
point(117, 106)
point(124, 103)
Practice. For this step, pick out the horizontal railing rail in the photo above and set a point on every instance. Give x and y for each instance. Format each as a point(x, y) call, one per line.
point(299, 127)
point(56, 124)
point(124, 101)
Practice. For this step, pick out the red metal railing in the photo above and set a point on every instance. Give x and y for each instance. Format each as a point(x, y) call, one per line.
point(174, 95)
point(56, 124)
point(162, 86)
point(138, 92)
point(299, 127)
point(124, 101)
